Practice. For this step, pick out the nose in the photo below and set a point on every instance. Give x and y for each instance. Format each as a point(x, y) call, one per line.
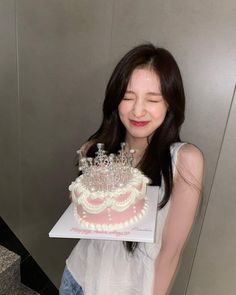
point(139, 108)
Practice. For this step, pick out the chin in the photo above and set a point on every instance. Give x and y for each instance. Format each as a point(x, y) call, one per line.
point(140, 134)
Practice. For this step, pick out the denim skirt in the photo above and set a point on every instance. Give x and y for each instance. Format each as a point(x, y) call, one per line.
point(69, 286)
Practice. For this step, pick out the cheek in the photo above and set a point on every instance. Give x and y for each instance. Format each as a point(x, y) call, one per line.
point(122, 109)
point(158, 112)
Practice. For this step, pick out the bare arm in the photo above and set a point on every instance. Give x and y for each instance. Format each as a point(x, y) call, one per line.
point(184, 203)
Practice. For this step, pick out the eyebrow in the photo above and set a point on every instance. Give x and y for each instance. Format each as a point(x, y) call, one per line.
point(148, 93)
point(154, 93)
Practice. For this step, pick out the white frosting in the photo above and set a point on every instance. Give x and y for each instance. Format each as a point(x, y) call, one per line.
point(111, 227)
point(80, 194)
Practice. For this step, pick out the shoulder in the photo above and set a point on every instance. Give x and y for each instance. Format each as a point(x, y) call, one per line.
point(186, 149)
point(190, 155)
point(190, 164)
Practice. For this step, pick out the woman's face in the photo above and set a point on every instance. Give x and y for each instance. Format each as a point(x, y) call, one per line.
point(143, 109)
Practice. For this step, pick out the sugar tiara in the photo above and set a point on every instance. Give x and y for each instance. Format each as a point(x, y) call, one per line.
point(106, 172)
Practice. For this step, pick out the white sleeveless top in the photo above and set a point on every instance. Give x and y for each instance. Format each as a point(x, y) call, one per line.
point(105, 267)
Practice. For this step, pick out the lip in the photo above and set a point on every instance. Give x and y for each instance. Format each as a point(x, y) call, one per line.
point(138, 123)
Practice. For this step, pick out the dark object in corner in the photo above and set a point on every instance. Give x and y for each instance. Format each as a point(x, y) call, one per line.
point(31, 273)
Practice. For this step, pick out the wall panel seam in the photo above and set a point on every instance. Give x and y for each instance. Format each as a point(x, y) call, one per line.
point(19, 125)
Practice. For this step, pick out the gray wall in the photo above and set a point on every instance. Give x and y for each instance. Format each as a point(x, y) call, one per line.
point(215, 263)
point(56, 57)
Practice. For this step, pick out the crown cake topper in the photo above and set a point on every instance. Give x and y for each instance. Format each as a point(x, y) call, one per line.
point(106, 172)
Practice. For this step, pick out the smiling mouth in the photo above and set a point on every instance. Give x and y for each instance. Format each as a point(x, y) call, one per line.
point(139, 123)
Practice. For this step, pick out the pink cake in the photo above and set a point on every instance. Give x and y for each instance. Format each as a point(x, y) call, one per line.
point(110, 210)
point(110, 194)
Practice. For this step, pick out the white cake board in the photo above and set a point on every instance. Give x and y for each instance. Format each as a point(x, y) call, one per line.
point(142, 231)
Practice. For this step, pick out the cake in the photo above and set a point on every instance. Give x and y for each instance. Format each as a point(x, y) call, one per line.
point(110, 194)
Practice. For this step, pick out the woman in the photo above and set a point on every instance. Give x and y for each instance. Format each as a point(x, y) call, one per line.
point(144, 106)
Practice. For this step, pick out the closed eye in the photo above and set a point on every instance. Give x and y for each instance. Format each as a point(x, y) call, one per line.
point(128, 98)
point(155, 101)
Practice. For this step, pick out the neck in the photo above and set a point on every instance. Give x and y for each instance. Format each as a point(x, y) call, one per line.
point(138, 144)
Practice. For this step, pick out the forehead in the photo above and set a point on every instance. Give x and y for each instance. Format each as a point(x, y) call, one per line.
point(144, 79)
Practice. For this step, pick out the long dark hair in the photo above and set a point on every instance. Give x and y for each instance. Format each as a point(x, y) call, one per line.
point(156, 162)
